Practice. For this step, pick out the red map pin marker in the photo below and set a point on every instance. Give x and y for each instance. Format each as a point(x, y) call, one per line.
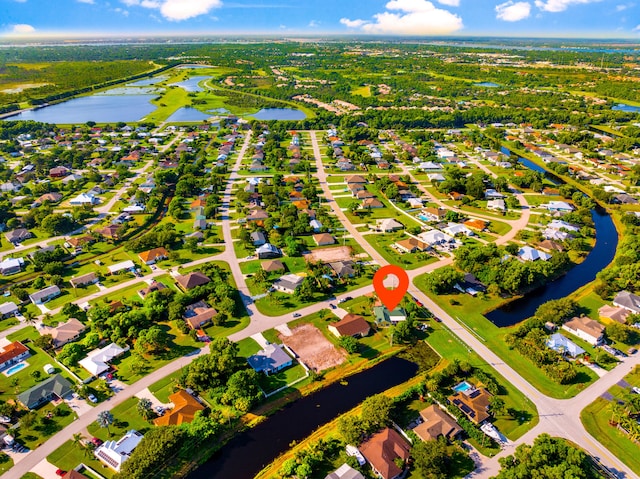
point(391, 297)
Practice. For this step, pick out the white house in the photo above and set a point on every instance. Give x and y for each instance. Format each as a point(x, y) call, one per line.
point(457, 229)
point(557, 206)
point(432, 237)
point(585, 328)
point(84, 199)
point(97, 361)
point(527, 253)
point(125, 265)
point(115, 453)
point(497, 204)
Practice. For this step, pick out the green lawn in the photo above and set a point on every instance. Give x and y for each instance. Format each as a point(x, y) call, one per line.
point(382, 243)
point(163, 388)
point(282, 378)
point(248, 347)
point(469, 311)
point(69, 455)
point(126, 417)
point(36, 435)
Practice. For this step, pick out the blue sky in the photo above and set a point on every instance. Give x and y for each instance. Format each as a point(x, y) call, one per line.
point(556, 18)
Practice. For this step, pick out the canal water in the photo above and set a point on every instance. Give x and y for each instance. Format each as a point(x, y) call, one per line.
point(247, 453)
point(532, 166)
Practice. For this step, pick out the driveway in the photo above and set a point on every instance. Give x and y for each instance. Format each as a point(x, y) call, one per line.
point(46, 470)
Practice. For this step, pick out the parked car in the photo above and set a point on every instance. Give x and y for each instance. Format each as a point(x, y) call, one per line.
point(437, 319)
point(60, 472)
point(96, 441)
point(296, 315)
point(160, 410)
point(332, 306)
point(92, 398)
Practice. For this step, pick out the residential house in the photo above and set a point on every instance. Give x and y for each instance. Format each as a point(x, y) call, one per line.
point(496, 205)
point(273, 266)
point(433, 214)
point(628, 301)
point(558, 206)
point(11, 266)
point(288, 283)
point(258, 238)
point(153, 287)
point(18, 235)
point(116, 453)
point(270, 360)
point(471, 285)
point(384, 450)
point(351, 325)
point(73, 474)
point(267, 251)
point(198, 314)
point(585, 328)
point(435, 237)
point(550, 246)
point(191, 280)
point(13, 353)
point(97, 361)
point(371, 203)
point(614, 313)
point(84, 280)
point(117, 268)
point(564, 345)
point(56, 387)
point(184, 410)
point(77, 242)
point(411, 245)
point(111, 231)
point(437, 423)
point(355, 179)
point(345, 472)
point(52, 197)
point(153, 255)
point(84, 199)
point(257, 214)
point(64, 333)
point(476, 224)
point(58, 171)
point(324, 239)
point(44, 295)
point(473, 402)
point(8, 309)
point(384, 317)
point(343, 269)
point(389, 225)
point(527, 253)
point(454, 229)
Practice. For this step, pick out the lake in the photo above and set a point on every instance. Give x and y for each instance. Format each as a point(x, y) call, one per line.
point(187, 114)
point(148, 81)
point(487, 84)
point(532, 166)
point(627, 108)
point(598, 258)
point(98, 108)
point(191, 85)
point(279, 114)
point(248, 452)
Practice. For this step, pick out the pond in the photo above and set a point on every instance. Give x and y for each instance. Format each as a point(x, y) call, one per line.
point(191, 85)
point(279, 114)
point(487, 84)
point(98, 108)
point(187, 114)
point(148, 81)
point(627, 108)
point(248, 452)
point(599, 257)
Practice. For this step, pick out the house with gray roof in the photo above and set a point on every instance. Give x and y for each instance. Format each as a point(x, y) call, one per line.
point(52, 388)
point(564, 345)
point(44, 295)
point(628, 301)
point(18, 235)
point(270, 360)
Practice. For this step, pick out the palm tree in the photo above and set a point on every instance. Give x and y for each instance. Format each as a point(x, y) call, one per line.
point(105, 419)
point(145, 408)
point(77, 440)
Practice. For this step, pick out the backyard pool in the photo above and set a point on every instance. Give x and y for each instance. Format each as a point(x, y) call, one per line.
point(15, 368)
point(462, 387)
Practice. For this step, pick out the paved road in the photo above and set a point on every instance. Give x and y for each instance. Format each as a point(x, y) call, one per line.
point(557, 417)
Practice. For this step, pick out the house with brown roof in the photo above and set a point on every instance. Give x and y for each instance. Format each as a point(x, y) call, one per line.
point(64, 333)
point(185, 407)
point(78, 242)
point(355, 179)
point(324, 239)
point(473, 402)
point(191, 280)
point(411, 245)
point(351, 325)
point(272, 266)
point(257, 214)
point(198, 314)
point(436, 423)
point(614, 313)
point(153, 287)
point(383, 449)
point(434, 214)
point(52, 197)
point(84, 280)
point(153, 255)
point(110, 231)
point(372, 203)
point(585, 328)
point(476, 224)
point(73, 474)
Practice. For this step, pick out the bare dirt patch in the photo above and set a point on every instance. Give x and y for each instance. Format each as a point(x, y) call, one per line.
point(329, 255)
point(314, 349)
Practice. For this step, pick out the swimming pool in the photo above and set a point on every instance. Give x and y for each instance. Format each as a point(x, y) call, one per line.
point(462, 387)
point(15, 368)
point(423, 218)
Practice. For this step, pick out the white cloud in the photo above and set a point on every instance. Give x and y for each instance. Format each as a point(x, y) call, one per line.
point(560, 5)
point(122, 11)
point(416, 17)
point(352, 23)
point(623, 6)
point(450, 3)
point(637, 29)
point(177, 10)
point(23, 28)
point(513, 11)
point(86, 1)
point(314, 23)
